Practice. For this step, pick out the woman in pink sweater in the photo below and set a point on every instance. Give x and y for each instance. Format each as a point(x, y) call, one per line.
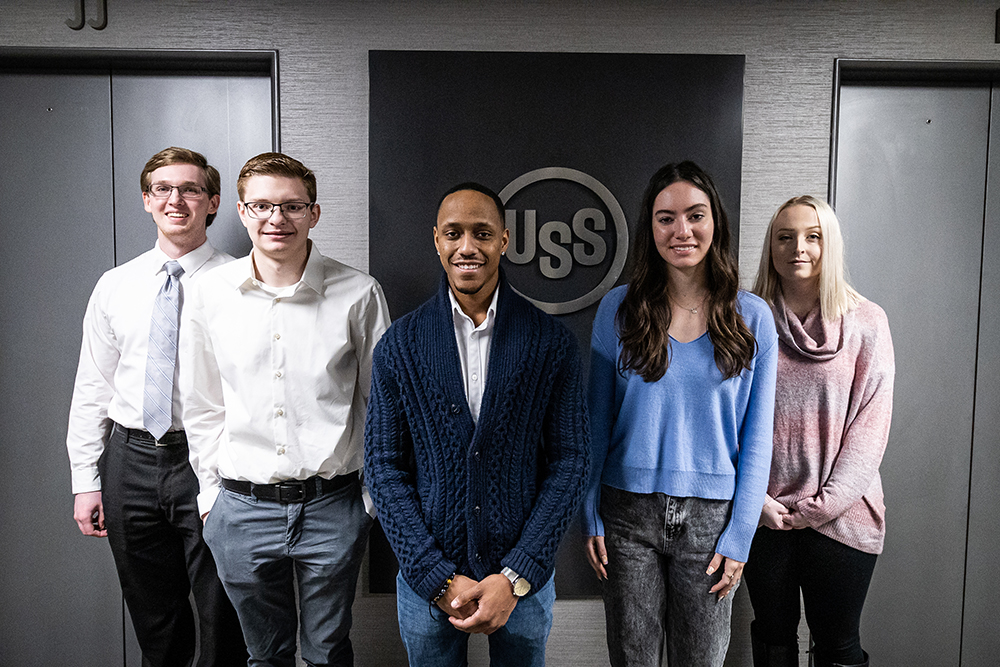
point(823, 521)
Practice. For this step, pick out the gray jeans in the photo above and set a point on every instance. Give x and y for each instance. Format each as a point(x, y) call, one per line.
point(659, 547)
point(264, 548)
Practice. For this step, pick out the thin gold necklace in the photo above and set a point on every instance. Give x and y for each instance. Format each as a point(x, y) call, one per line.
point(693, 311)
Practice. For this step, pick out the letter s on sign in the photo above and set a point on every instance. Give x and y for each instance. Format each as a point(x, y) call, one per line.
point(554, 248)
point(588, 237)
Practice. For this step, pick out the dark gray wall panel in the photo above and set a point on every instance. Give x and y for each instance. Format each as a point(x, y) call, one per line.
point(911, 167)
point(225, 118)
point(59, 596)
point(980, 639)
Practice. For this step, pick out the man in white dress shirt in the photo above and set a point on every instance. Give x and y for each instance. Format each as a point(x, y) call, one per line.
point(277, 366)
point(129, 458)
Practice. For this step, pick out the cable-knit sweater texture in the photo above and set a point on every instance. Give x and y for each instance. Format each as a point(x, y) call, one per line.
point(833, 405)
point(455, 495)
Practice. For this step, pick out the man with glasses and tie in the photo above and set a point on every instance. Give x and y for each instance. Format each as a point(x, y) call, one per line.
point(276, 367)
point(128, 453)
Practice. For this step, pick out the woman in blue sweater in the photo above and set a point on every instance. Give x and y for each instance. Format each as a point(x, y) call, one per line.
point(682, 404)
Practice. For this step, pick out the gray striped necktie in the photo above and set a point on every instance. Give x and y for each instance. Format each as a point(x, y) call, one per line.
point(161, 358)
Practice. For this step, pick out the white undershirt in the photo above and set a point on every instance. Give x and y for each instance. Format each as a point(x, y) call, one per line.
point(473, 350)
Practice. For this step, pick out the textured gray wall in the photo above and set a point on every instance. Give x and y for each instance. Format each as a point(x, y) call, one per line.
point(790, 47)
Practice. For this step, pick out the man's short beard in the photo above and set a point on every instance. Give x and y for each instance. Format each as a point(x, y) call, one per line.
point(470, 291)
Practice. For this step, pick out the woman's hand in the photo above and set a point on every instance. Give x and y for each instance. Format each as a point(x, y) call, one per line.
point(771, 516)
point(597, 555)
point(794, 521)
point(731, 572)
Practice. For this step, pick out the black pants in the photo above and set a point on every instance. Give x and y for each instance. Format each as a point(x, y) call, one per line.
point(834, 580)
point(151, 513)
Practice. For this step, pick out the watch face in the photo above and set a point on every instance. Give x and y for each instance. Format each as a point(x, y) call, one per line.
point(521, 587)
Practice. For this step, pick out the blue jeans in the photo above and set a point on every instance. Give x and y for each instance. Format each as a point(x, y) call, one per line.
point(432, 641)
point(656, 593)
point(262, 547)
point(834, 579)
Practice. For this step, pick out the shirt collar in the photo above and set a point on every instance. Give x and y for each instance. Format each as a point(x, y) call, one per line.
point(491, 312)
point(190, 262)
point(313, 276)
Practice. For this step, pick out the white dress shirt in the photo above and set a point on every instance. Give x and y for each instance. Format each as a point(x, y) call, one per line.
point(275, 382)
point(111, 374)
point(474, 350)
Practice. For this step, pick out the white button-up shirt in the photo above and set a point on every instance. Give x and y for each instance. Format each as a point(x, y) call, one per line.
point(275, 381)
point(474, 350)
point(111, 375)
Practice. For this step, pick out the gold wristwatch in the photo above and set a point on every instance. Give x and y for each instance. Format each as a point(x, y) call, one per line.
point(520, 584)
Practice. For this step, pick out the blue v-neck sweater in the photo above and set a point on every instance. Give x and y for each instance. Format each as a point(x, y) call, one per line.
point(690, 433)
point(455, 495)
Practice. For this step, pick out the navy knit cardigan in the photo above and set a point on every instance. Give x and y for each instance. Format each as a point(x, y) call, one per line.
point(465, 497)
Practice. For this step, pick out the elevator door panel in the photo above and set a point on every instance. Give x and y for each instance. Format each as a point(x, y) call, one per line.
point(226, 118)
point(910, 182)
point(980, 639)
point(72, 147)
point(61, 602)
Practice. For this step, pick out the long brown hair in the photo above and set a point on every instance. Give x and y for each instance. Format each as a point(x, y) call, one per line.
point(643, 317)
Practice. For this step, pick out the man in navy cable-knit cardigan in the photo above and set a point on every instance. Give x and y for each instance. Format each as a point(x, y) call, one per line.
point(476, 449)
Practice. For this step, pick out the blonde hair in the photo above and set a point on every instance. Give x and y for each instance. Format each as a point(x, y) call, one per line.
point(836, 296)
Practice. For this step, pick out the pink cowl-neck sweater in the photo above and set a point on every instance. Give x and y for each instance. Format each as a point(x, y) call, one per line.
point(833, 405)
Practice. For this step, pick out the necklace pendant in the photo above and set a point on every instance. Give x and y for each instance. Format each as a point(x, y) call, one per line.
point(694, 311)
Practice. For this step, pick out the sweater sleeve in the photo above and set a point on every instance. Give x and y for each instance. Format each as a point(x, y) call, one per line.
point(866, 431)
point(756, 442)
point(566, 445)
point(391, 479)
point(601, 400)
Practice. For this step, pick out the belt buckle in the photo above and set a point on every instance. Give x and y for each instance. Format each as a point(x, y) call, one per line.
point(291, 492)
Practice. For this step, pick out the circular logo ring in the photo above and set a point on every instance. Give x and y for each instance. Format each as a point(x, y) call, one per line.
point(621, 228)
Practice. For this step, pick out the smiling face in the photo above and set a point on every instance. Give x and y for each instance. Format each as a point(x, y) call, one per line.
point(470, 237)
point(682, 225)
point(797, 245)
point(277, 237)
point(178, 220)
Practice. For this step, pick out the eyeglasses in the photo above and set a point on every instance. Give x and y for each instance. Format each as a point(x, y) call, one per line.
point(292, 210)
point(187, 191)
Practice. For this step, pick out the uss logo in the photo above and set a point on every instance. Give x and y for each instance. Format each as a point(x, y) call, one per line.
point(568, 238)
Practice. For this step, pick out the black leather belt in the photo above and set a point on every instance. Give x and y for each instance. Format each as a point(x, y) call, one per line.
point(146, 438)
point(293, 490)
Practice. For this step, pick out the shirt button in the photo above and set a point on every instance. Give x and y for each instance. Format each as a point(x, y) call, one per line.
point(476, 509)
point(277, 300)
point(281, 450)
point(455, 409)
point(277, 374)
point(279, 412)
point(477, 455)
point(477, 556)
point(475, 377)
point(277, 336)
